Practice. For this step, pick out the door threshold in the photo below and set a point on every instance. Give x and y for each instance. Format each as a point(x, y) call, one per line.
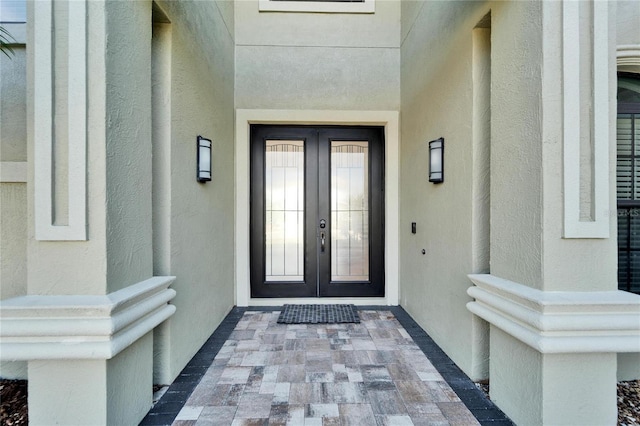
point(280, 301)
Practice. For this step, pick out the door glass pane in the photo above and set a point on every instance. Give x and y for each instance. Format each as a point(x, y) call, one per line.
point(349, 211)
point(284, 210)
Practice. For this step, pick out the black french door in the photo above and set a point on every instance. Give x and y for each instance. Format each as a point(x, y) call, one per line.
point(317, 211)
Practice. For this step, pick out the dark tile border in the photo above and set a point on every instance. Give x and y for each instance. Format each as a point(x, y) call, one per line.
point(168, 407)
point(484, 410)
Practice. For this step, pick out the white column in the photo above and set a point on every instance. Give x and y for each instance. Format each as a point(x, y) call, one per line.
point(557, 319)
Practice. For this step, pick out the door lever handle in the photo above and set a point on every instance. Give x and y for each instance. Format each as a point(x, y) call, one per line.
point(322, 242)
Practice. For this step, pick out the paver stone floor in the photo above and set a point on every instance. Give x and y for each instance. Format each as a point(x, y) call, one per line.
point(371, 373)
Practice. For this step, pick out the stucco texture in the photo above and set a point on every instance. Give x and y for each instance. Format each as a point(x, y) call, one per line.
point(53, 266)
point(317, 61)
point(570, 264)
point(13, 241)
point(128, 144)
point(92, 392)
point(13, 256)
point(13, 106)
point(437, 101)
point(199, 233)
point(516, 148)
point(13, 195)
point(628, 22)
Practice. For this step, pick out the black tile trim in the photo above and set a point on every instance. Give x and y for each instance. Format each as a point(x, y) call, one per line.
point(167, 408)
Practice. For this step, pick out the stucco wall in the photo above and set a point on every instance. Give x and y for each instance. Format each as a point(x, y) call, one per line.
point(13, 255)
point(516, 148)
point(437, 101)
point(317, 61)
point(13, 148)
point(13, 195)
point(597, 257)
point(128, 143)
point(13, 103)
point(53, 267)
point(557, 381)
point(129, 400)
point(509, 354)
point(628, 21)
point(200, 230)
point(92, 392)
point(118, 250)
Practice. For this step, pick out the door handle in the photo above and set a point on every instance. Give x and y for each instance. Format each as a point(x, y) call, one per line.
point(322, 242)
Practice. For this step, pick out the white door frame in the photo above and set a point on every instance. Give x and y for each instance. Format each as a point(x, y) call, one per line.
point(390, 121)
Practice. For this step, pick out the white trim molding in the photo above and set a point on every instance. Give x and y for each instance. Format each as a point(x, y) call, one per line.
point(13, 171)
point(43, 119)
point(317, 6)
point(391, 122)
point(628, 55)
point(82, 327)
point(559, 321)
point(598, 226)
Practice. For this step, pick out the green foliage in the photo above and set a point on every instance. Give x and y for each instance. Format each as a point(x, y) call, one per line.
point(6, 39)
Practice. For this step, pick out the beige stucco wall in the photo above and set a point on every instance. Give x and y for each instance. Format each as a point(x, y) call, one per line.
point(128, 144)
point(628, 21)
point(196, 245)
point(13, 103)
point(13, 148)
point(13, 195)
point(53, 266)
point(437, 101)
point(128, 401)
point(557, 381)
point(13, 256)
point(92, 392)
point(516, 149)
point(118, 252)
point(597, 258)
point(317, 61)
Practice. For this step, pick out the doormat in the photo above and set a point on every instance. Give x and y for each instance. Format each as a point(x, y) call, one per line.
point(318, 314)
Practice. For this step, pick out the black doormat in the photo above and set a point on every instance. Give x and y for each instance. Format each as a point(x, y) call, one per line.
point(318, 314)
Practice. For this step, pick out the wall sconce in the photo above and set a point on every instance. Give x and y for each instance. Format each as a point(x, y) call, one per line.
point(436, 161)
point(204, 160)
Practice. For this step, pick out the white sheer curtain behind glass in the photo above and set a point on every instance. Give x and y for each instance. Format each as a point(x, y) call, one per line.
point(349, 211)
point(284, 211)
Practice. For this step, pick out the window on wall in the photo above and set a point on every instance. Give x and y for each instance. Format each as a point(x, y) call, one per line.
point(628, 182)
point(13, 11)
point(327, 6)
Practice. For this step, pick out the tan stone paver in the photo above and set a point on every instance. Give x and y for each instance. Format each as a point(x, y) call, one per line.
point(370, 373)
